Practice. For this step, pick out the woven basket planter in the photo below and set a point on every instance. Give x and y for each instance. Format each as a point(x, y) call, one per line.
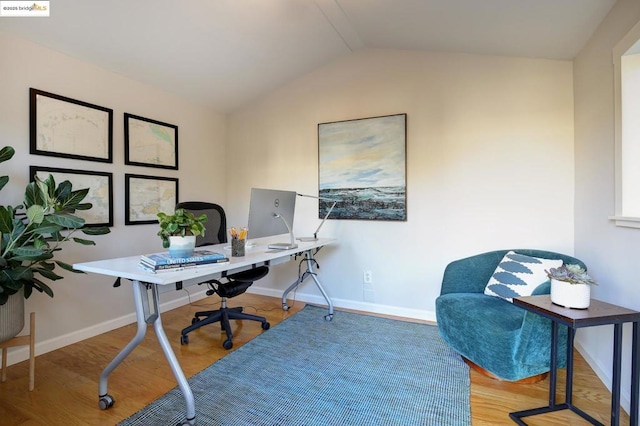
point(577, 296)
point(12, 316)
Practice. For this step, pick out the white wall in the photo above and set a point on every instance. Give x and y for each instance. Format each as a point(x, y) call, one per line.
point(490, 166)
point(85, 305)
point(609, 251)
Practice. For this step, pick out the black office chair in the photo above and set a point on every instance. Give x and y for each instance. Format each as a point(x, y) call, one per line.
point(235, 284)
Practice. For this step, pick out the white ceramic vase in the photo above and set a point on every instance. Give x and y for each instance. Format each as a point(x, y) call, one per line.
point(577, 296)
point(12, 316)
point(182, 246)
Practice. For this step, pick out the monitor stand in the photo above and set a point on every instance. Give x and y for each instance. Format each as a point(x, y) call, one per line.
point(284, 246)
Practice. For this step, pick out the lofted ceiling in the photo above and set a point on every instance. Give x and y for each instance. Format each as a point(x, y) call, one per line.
point(225, 53)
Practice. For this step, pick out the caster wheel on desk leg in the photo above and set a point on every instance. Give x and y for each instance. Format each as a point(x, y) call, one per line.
point(227, 344)
point(184, 339)
point(105, 402)
point(285, 307)
point(328, 317)
point(265, 325)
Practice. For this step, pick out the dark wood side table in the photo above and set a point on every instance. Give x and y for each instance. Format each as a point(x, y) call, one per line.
point(598, 313)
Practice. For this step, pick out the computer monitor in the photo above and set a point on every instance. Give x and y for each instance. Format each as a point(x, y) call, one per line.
point(271, 213)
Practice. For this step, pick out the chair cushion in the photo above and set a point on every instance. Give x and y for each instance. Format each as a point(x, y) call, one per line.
point(250, 275)
point(519, 275)
point(233, 288)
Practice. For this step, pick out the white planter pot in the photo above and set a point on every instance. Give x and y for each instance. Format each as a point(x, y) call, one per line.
point(12, 316)
point(569, 295)
point(182, 246)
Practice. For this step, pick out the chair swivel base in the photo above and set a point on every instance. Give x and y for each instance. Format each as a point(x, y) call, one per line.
point(223, 315)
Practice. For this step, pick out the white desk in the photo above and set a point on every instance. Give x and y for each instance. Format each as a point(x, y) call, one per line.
point(147, 311)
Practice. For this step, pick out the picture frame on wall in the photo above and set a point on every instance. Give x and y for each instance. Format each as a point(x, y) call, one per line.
point(150, 143)
point(100, 193)
point(363, 166)
point(145, 196)
point(68, 128)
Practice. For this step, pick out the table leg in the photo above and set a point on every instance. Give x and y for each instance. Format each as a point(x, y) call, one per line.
point(145, 316)
point(635, 375)
point(553, 380)
point(553, 365)
point(617, 366)
point(173, 363)
point(571, 334)
point(105, 400)
point(309, 273)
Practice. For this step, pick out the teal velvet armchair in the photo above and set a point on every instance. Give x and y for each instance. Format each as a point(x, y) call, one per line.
point(489, 331)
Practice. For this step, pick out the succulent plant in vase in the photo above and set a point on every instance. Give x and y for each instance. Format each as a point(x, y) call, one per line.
point(571, 286)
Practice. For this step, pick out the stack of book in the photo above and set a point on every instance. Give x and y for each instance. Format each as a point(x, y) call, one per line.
point(157, 262)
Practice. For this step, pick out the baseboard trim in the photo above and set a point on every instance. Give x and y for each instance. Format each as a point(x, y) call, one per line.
point(22, 353)
point(348, 304)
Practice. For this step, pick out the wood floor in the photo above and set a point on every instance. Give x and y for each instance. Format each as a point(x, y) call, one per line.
point(66, 382)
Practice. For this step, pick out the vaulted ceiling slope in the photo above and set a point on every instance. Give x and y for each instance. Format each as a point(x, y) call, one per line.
point(225, 53)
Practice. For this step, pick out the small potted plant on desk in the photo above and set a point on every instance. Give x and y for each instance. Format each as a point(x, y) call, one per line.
point(179, 231)
point(571, 286)
point(30, 234)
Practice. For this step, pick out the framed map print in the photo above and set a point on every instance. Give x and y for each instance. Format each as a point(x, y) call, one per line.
point(150, 143)
point(363, 165)
point(145, 196)
point(65, 127)
point(100, 194)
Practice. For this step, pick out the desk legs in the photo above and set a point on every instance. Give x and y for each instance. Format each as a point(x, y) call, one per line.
point(145, 316)
point(310, 272)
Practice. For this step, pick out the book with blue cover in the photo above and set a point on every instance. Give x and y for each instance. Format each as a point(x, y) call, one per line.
point(179, 266)
point(199, 256)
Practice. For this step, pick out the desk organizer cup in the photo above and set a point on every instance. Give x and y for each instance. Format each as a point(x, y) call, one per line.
point(238, 241)
point(237, 247)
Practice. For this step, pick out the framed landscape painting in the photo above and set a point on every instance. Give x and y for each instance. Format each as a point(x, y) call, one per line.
point(362, 166)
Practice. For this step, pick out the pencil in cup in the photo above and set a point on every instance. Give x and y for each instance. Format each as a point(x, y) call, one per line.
point(241, 235)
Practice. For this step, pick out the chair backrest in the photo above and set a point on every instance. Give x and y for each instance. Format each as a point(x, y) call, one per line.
point(471, 274)
point(216, 226)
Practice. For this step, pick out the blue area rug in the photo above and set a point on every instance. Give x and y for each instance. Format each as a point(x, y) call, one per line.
point(354, 370)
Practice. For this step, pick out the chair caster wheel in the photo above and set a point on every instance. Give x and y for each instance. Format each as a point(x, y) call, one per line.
point(328, 317)
point(227, 344)
point(285, 307)
point(184, 339)
point(105, 402)
point(265, 325)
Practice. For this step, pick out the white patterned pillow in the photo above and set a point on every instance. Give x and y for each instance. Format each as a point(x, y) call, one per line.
point(518, 275)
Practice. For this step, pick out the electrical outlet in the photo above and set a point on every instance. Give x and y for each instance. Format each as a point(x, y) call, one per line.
point(367, 277)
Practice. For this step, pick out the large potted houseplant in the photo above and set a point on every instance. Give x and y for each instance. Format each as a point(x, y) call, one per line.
point(570, 286)
point(30, 235)
point(179, 230)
